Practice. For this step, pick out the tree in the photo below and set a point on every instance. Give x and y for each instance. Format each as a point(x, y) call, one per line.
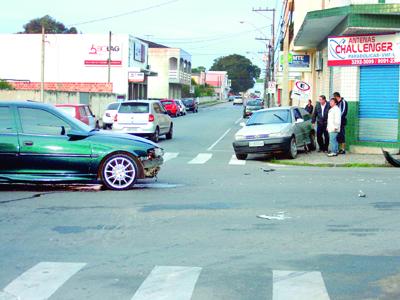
point(240, 70)
point(4, 85)
point(198, 70)
point(50, 26)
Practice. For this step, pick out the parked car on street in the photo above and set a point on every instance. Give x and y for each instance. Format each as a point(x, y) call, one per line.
point(109, 114)
point(182, 107)
point(143, 118)
point(252, 106)
point(275, 130)
point(82, 112)
point(191, 104)
point(238, 100)
point(43, 144)
point(231, 98)
point(171, 107)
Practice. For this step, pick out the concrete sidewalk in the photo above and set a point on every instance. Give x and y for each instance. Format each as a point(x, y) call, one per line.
point(346, 160)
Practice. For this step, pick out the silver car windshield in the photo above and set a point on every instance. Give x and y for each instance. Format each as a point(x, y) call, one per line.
point(270, 117)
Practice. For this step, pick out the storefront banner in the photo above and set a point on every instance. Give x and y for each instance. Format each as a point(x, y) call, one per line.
point(364, 50)
point(135, 77)
point(297, 62)
point(98, 52)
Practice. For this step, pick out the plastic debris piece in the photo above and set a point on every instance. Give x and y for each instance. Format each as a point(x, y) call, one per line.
point(361, 194)
point(279, 217)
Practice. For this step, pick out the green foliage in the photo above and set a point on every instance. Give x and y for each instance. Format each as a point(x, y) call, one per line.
point(203, 91)
point(50, 26)
point(185, 91)
point(4, 85)
point(198, 70)
point(240, 70)
point(193, 82)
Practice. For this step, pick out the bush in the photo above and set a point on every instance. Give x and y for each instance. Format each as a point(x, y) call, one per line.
point(4, 85)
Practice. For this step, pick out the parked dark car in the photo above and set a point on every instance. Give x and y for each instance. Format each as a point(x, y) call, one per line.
point(191, 104)
point(41, 144)
point(252, 106)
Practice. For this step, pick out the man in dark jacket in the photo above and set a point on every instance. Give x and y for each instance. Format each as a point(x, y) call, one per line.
point(341, 138)
point(320, 116)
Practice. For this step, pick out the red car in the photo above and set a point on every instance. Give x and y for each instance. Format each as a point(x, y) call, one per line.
point(82, 112)
point(171, 107)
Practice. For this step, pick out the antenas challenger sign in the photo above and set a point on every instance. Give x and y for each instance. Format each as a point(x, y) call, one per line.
point(363, 50)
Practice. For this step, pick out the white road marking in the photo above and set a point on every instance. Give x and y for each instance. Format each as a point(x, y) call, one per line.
point(217, 141)
point(236, 162)
point(42, 280)
point(299, 285)
point(200, 159)
point(168, 283)
point(170, 155)
point(238, 120)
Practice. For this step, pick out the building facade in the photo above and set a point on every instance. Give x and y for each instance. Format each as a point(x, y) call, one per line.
point(76, 63)
point(173, 67)
point(353, 48)
point(219, 80)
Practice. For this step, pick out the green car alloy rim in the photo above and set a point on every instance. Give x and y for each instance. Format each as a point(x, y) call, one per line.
point(119, 172)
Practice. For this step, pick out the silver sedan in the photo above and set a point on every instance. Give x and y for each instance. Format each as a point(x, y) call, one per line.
point(275, 130)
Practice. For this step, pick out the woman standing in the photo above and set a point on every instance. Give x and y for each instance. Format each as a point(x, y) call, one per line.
point(334, 121)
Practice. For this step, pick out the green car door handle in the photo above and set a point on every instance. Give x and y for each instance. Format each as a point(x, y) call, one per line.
point(28, 143)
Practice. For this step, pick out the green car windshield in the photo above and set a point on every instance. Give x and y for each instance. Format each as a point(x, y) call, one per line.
point(269, 117)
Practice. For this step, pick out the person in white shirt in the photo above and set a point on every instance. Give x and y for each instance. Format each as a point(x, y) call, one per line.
point(334, 122)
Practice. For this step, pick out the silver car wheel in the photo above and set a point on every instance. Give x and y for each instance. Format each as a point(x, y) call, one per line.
point(293, 148)
point(119, 173)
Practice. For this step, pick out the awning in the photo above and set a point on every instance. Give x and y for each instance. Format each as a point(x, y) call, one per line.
point(347, 20)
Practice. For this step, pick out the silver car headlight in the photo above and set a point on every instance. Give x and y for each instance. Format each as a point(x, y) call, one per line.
point(239, 137)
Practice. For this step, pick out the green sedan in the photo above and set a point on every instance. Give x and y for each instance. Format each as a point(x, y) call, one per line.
point(41, 144)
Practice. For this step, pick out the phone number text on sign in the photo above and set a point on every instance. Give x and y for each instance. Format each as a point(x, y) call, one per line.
point(373, 61)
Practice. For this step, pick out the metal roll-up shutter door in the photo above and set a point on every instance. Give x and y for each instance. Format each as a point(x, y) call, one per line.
point(379, 103)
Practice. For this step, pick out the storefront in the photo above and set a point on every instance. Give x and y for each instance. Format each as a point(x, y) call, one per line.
point(360, 60)
point(373, 61)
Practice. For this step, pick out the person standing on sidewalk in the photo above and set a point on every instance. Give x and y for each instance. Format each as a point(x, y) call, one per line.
point(342, 104)
point(320, 116)
point(309, 107)
point(334, 125)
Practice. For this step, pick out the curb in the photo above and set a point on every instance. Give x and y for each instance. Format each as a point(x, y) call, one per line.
point(328, 165)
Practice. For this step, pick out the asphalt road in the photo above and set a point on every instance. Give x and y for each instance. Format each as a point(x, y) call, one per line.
point(194, 233)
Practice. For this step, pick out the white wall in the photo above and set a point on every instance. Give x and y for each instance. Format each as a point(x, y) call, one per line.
point(65, 56)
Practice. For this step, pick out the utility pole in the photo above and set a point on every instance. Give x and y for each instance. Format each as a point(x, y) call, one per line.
point(109, 57)
point(42, 67)
point(271, 48)
point(267, 70)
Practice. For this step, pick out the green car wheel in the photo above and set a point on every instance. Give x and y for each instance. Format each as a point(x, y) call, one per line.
point(119, 172)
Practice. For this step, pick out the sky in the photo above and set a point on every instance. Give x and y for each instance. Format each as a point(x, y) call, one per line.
point(207, 29)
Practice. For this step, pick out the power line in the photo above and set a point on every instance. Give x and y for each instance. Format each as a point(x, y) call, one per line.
point(125, 14)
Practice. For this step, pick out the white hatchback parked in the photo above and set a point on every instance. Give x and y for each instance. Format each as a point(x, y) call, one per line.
point(143, 118)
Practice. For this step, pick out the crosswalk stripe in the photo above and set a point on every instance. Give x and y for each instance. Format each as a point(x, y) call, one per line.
point(236, 162)
point(200, 159)
point(170, 155)
point(299, 285)
point(168, 283)
point(42, 280)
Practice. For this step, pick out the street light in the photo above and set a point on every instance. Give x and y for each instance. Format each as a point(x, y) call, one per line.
point(254, 26)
